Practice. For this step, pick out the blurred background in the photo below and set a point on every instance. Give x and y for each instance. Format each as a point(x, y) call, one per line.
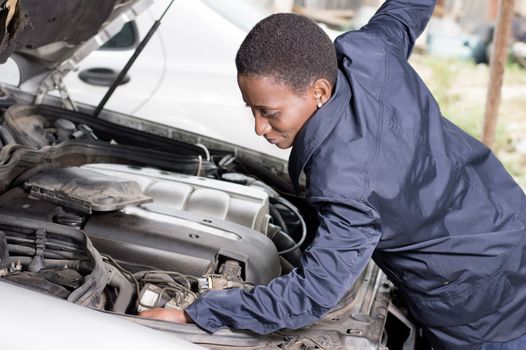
point(186, 76)
point(453, 57)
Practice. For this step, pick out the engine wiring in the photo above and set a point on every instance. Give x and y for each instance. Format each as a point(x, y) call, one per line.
point(274, 195)
point(184, 278)
point(179, 282)
point(129, 275)
point(298, 244)
point(205, 149)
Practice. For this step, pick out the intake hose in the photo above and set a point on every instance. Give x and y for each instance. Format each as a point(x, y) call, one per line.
point(6, 136)
point(125, 288)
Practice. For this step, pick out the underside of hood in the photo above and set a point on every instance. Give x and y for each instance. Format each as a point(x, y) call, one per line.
point(26, 25)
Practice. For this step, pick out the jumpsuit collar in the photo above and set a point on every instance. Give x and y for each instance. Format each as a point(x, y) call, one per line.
point(316, 130)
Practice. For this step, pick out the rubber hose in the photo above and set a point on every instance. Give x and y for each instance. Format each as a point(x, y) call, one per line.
point(286, 266)
point(6, 136)
point(283, 242)
point(274, 213)
point(126, 292)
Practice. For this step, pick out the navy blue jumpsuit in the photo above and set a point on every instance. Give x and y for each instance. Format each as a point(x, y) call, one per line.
point(392, 179)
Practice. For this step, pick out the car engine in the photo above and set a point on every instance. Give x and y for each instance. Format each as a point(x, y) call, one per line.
point(122, 221)
point(160, 226)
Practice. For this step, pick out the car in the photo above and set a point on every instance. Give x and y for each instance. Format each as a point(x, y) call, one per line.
point(187, 70)
point(103, 215)
point(177, 74)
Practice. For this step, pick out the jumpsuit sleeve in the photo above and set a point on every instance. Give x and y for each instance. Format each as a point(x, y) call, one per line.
point(400, 23)
point(342, 247)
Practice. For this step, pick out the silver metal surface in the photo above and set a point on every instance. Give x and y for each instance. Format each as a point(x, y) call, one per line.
point(243, 205)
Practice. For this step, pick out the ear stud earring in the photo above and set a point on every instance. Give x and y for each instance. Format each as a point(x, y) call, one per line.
point(319, 104)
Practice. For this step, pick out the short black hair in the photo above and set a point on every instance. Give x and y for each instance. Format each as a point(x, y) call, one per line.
point(290, 48)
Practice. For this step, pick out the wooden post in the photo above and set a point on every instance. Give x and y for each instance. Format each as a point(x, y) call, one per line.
point(493, 10)
point(498, 63)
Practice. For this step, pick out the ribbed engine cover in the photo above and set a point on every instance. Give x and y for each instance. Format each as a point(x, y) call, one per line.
point(208, 198)
point(192, 225)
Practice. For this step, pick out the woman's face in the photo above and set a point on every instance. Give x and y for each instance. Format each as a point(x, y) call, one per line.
point(279, 113)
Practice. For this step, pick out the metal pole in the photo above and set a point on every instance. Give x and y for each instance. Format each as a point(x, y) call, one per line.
point(498, 63)
point(130, 62)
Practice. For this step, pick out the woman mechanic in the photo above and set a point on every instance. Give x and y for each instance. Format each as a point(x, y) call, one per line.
point(390, 178)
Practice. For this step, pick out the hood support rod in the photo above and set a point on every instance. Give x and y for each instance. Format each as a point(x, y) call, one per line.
point(130, 62)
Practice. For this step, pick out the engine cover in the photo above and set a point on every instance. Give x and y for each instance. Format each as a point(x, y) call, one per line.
point(191, 226)
point(205, 197)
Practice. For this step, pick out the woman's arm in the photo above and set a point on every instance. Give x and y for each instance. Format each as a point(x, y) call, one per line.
point(344, 243)
point(400, 22)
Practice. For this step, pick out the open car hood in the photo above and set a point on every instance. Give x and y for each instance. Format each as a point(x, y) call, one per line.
point(57, 34)
point(30, 24)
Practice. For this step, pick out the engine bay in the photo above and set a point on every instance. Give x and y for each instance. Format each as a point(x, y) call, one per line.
point(189, 236)
point(122, 221)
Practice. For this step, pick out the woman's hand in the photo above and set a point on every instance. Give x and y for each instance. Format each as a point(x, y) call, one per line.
point(171, 315)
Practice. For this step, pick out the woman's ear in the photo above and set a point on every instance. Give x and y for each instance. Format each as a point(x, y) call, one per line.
point(322, 90)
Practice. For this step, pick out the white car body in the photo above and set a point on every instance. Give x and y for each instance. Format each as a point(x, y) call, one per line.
point(186, 75)
point(59, 333)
